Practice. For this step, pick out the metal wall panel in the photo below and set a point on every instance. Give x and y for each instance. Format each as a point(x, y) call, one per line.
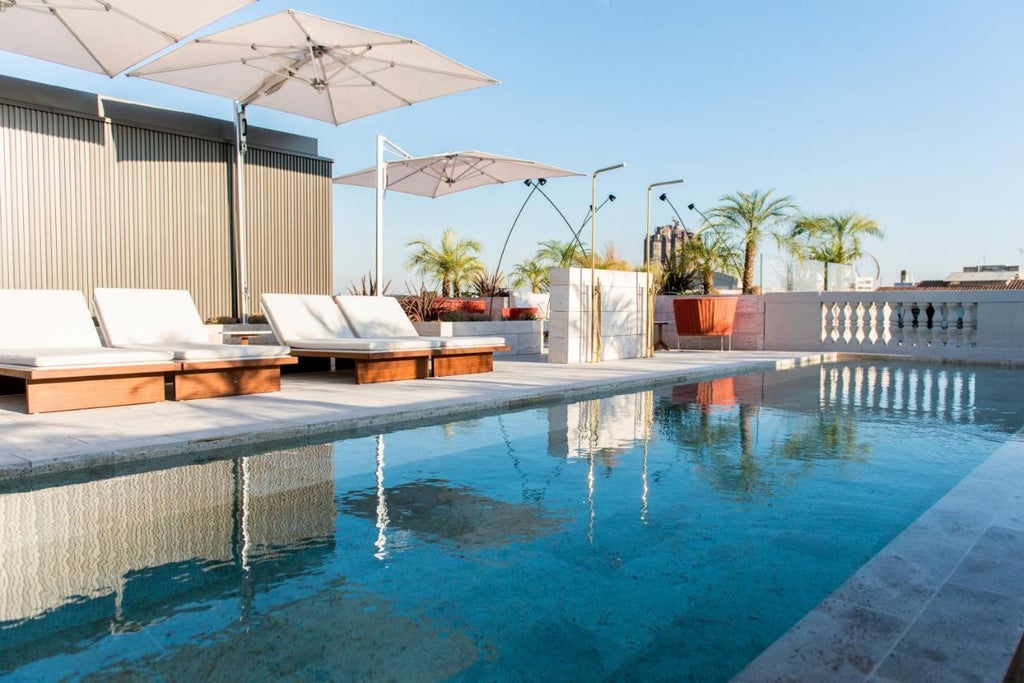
point(87, 202)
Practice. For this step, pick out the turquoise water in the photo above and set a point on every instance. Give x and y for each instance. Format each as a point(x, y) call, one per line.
point(669, 534)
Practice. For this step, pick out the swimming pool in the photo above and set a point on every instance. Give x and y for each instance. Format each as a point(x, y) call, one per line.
point(670, 533)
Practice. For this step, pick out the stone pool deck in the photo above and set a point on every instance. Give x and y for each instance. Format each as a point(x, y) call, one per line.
point(941, 602)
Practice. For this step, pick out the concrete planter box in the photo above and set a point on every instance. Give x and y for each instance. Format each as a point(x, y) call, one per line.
point(524, 337)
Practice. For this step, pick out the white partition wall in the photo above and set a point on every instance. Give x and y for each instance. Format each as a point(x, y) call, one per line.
point(623, 299)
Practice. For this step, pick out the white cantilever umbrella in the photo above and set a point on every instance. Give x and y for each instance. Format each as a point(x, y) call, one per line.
point(442, 174)
point(313, 67)
point(104, 36)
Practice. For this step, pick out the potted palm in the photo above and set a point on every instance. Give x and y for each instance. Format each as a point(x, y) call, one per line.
point(710, 251)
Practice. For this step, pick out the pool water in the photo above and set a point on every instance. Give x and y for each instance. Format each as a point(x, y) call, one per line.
point(667, 534)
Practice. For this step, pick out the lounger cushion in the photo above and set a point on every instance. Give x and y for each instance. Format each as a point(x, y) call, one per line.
point(45, 318)
point(376, 316)
point(305, 316)
point(199, 352)
point(149, 316)
point(367, 345)
point(80, 357)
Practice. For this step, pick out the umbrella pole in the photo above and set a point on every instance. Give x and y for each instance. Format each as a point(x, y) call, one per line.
point(241, 147)
point(382, 181)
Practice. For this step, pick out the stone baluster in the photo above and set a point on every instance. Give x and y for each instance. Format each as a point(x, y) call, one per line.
point(886, 324)
point(901, 322)
point(943, 324)
point(957, 325)
point(847, 317)
point(914, 333)
point(860, 315)
point(928, 324)
point(971, 324)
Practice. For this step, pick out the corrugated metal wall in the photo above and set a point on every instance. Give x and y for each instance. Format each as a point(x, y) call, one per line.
point(86, 202)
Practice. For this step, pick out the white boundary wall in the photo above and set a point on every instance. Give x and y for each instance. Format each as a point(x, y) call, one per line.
point(623, 302)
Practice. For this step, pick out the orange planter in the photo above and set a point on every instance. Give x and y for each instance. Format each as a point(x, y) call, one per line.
point(704, 315)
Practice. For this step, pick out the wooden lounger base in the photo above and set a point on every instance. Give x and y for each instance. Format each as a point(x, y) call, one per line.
point(51, 390)
point(448, 362)
point(213, 379)
point(384, 366)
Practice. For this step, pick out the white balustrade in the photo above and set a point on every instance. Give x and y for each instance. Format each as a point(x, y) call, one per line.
point(893, 319)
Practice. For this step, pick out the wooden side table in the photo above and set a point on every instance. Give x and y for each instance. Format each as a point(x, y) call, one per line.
point(660, 343)
point(245, 337)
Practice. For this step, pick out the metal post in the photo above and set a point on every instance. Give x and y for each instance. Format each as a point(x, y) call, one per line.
point(382, 182)
point(595, 299)
point(241, 147)
point(383, 144)
point(648, 340)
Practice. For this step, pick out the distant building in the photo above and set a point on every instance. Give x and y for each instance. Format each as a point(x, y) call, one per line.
point(666, 240)
point(971, 278)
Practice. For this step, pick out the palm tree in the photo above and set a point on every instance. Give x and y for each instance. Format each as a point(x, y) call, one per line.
point(452, 264)
point(753, 215)
point(832, 239)
point(532, 272)
point(560, 254)
point(710, 251)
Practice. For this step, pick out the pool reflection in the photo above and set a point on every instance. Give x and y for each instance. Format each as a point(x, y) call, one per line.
point(111, 555)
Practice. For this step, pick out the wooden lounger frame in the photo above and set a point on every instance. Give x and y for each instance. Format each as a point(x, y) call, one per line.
point(379, 366)
point(465, 361)
point(51, 389)
point(215, 378)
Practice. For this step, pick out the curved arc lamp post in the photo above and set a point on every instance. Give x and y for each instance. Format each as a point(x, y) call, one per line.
point(595, 296)
point(648, 333)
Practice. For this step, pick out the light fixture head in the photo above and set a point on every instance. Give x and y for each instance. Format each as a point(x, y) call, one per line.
point(542, 181)
point(663, 196)
point(691, 207)
point(527, 182)
point(611, 198)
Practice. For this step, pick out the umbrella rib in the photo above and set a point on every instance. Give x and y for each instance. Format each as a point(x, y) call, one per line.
point(387, 63)
point(59, 17)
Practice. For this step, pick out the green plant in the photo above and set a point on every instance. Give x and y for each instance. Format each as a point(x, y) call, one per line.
point(462, 317)
point(424, 305)
point(367, 286)
point(712, 251)
point(221, 320)
point(675, 275)
point(752, 216)
point(559, 254)
point(831, 239)
point(451, 263)
point(484, 283)
point(532, 272)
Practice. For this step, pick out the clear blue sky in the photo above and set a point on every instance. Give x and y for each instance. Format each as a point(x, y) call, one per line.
point(910, 112)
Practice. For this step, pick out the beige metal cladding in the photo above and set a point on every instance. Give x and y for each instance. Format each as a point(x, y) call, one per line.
point(288, 237)
point(88, 202)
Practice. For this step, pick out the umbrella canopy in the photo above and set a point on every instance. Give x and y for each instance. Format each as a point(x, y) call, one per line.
point(311, 66)
point(104, 36)
point(441, 174)
point(314, 67)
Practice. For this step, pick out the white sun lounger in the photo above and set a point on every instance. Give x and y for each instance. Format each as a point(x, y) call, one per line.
point(167, 319)
point(313, 326)
point(51, 352)
point(383, 317)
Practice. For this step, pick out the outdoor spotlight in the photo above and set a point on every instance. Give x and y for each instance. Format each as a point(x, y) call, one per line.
point(663, 196)
point(542, 181)
point(691, 207)
point(611, 198)
point(527, 182)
